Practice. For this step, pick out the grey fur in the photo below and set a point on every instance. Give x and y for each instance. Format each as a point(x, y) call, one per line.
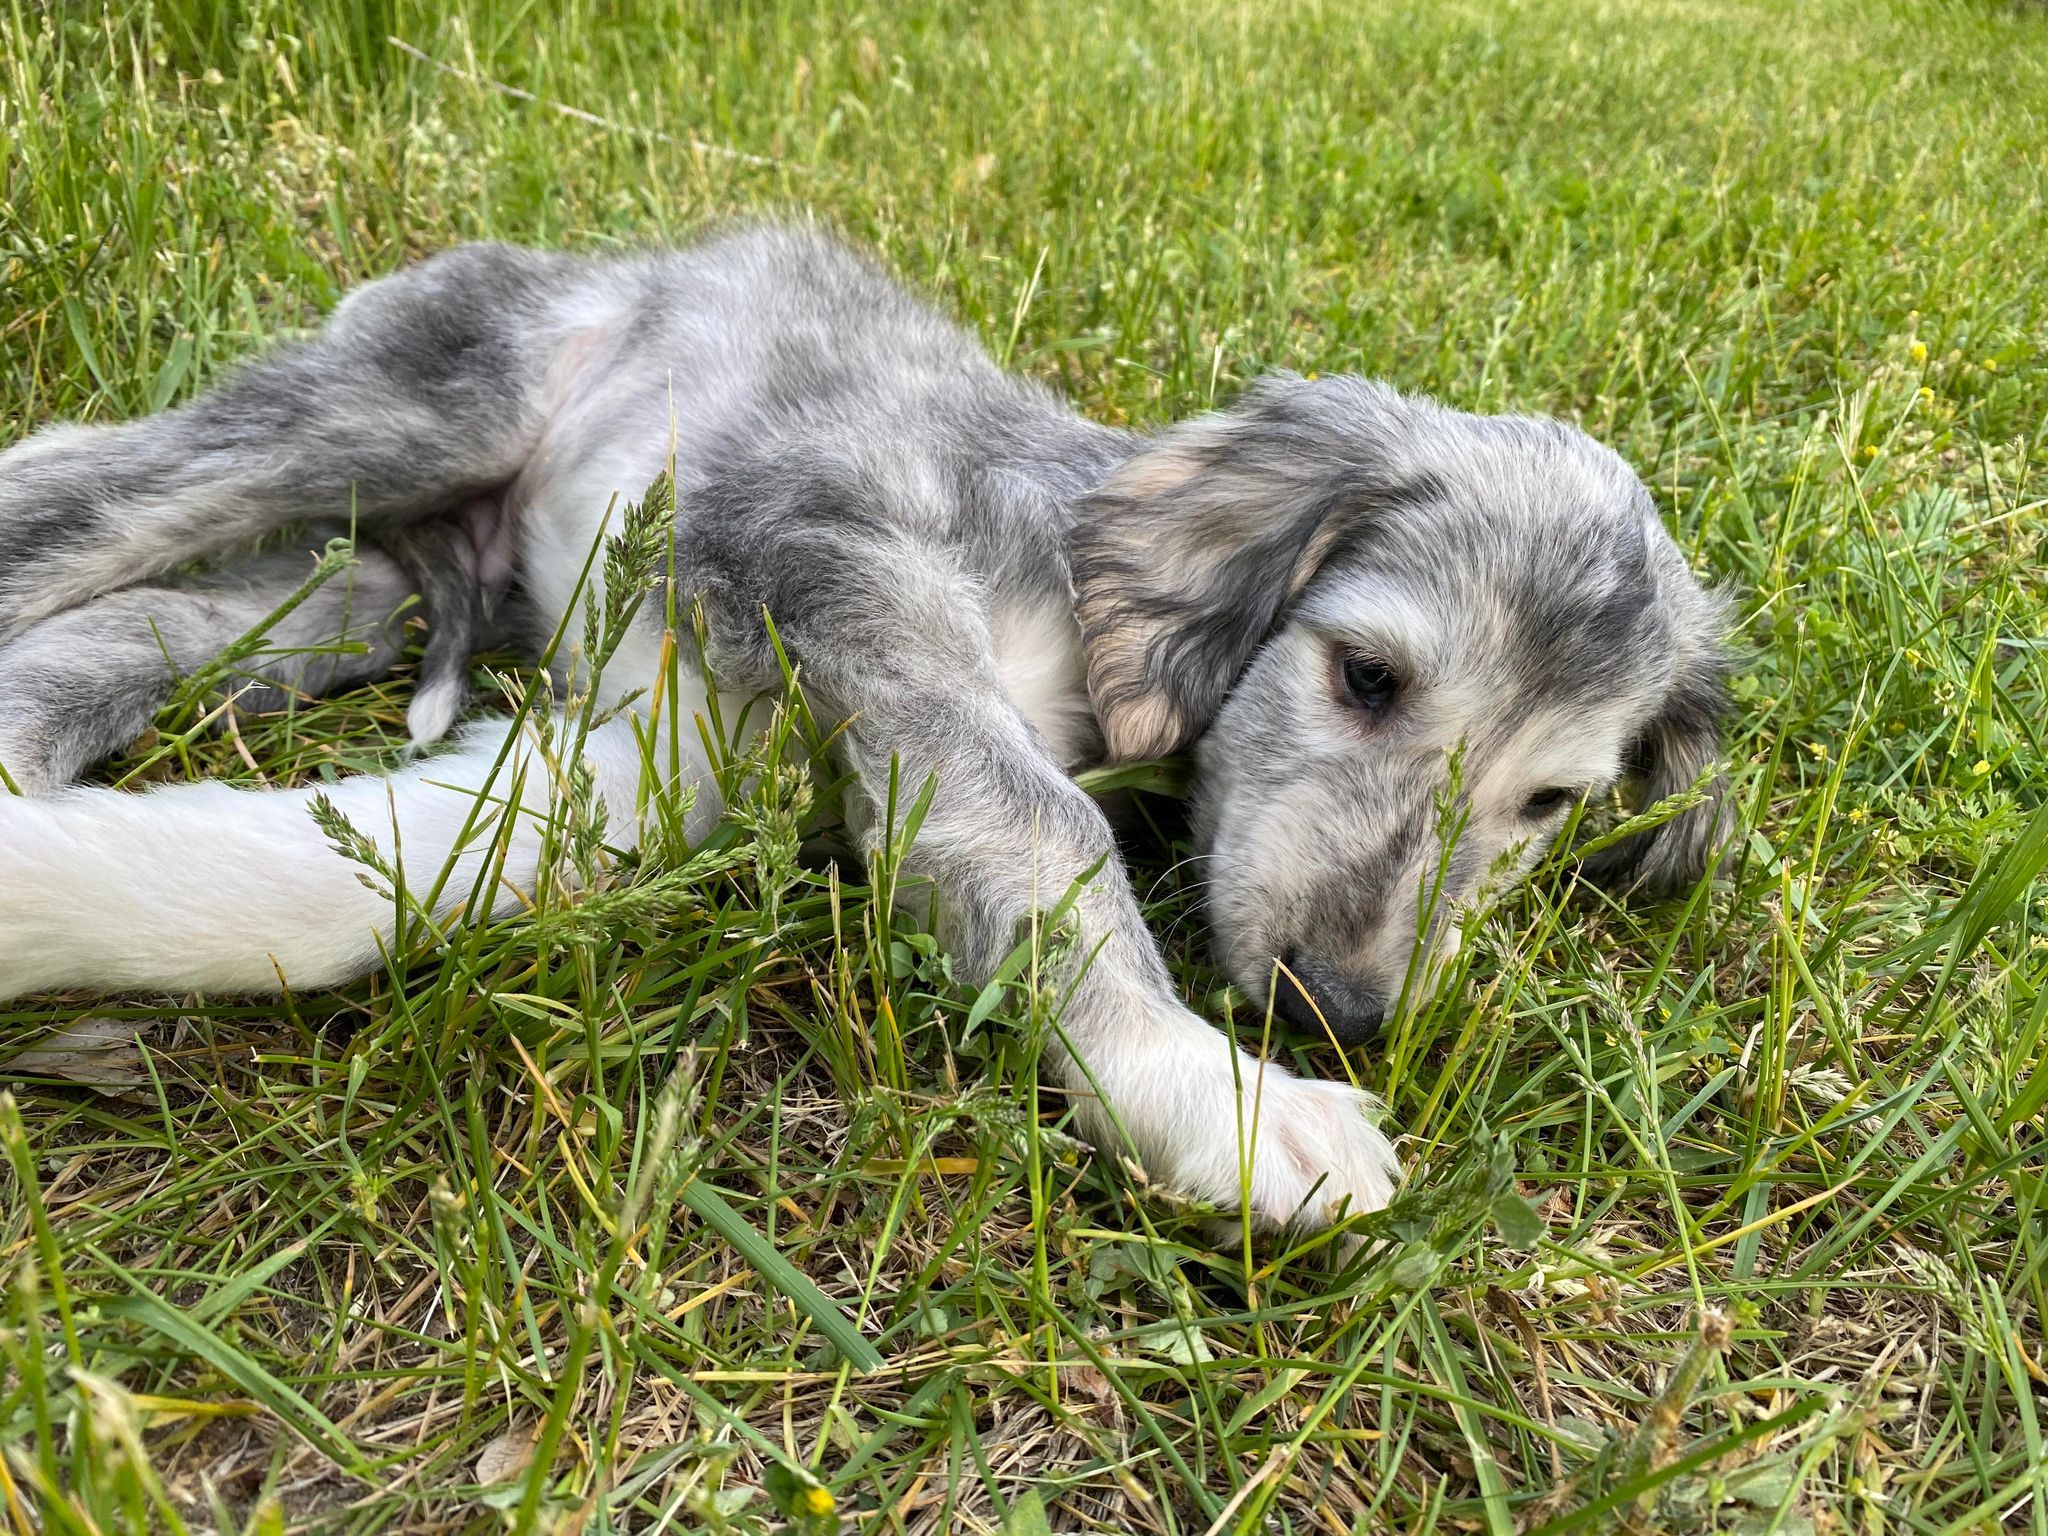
point(86, 682)
point(854, 464)
point(421, 390)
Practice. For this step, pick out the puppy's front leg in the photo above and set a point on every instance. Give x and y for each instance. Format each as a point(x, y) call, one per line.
point(1007, 835)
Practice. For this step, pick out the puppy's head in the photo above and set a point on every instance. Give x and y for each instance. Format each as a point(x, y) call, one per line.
point(1334, 591)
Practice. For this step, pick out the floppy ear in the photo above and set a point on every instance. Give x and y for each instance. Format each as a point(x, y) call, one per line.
point(1185, 558)
point(1680, 744)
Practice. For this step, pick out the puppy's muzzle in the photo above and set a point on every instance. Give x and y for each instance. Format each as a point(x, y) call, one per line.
point(1315, 996)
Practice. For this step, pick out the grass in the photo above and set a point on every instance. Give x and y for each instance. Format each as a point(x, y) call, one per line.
point(715, 1203)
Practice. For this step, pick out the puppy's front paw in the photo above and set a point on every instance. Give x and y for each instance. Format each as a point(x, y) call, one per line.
point(1300, 1152)
point(1318, 1154)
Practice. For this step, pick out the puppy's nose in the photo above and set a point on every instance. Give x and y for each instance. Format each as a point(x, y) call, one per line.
point(1352, 1010)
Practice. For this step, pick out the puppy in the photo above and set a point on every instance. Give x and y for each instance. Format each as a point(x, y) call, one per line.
point(1327, 592)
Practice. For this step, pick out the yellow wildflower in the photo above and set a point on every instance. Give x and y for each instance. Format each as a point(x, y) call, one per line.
point(1919, 351)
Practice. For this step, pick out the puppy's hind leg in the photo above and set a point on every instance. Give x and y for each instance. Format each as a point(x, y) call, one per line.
point(423, 390)
point(79, 687)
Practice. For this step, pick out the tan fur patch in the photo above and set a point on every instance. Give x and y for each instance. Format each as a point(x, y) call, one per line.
point(1148, 726)
point(1152, 474)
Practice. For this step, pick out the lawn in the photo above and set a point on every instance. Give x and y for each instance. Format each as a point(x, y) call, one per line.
point(724, 1208)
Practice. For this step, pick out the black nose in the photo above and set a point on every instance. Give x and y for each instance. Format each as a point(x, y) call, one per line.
point(1352, 1010)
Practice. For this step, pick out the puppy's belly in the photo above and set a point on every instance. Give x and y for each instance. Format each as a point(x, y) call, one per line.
point(560, 513)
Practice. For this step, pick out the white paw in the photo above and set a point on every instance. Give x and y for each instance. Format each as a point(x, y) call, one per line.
point(1301, 1152)
point(1318, 1154)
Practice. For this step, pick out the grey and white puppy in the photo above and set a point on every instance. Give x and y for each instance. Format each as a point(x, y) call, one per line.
point(1327, 591)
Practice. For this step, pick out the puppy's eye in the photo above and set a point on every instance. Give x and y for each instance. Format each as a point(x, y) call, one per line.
point(1370, 682)
point(1547, 802)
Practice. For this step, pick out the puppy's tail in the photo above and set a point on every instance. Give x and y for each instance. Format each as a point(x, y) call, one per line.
point(460, 569)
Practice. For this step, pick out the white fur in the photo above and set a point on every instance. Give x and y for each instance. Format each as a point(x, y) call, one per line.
point(1039, 663)
point(211, 888)
point(433, 710)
